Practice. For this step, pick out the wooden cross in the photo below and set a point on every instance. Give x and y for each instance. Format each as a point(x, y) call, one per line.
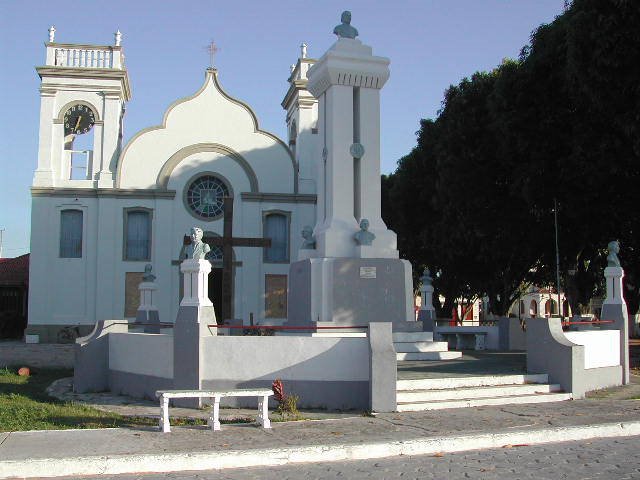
point(227, 242)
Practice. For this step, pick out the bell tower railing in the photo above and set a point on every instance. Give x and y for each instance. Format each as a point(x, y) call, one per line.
point(85, 56)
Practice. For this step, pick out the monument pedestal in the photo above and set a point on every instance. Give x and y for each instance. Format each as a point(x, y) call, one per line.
point(615, 308)
point(427, 314)
point(350, 291)
point(195, 313)
point(147, 311)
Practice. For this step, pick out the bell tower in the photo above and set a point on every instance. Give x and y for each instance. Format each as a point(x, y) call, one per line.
point(302, 119)
point(83, 92)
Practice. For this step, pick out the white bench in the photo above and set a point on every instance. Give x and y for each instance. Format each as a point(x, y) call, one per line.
point(263, 395)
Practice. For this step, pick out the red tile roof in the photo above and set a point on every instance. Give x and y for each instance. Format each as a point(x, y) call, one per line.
point(14, 271)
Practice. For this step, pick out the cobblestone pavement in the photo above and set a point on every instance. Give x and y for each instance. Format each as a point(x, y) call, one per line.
point(610, 459)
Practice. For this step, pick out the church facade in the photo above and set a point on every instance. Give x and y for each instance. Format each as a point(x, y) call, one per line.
point(103, 210)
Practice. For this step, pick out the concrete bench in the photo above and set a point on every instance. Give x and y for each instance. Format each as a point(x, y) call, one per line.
point(479, 338)
point(263, 395)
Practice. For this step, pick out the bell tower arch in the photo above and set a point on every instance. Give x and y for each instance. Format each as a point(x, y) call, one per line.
point(83, 92)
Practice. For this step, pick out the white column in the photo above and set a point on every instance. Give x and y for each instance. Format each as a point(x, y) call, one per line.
point(196, 283)
point(43, 176)
point(147, 296)
point(614, 276)
point(110, 131)
point(335, 228)
point(350, 66)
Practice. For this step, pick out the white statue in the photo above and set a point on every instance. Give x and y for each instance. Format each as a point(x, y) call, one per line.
point(147, 276)
point(364, 236)
point(614, 250)
point(197, 250)
point(309, 241)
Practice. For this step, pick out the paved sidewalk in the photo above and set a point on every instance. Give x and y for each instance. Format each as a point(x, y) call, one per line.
point(86, 452)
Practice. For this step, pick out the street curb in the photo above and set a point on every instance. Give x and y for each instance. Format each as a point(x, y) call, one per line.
point(159, 463)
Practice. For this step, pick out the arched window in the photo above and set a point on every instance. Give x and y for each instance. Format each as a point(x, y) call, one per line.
point(71, 234)
point(276, 227)
point(137, 236)
point(533, 309)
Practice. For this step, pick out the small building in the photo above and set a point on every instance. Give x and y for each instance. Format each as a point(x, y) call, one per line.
point(14, 288)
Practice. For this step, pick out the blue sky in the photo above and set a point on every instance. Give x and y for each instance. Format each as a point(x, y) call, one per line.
point(431, 43)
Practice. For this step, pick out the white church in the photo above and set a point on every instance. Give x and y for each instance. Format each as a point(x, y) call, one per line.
point(103, 210)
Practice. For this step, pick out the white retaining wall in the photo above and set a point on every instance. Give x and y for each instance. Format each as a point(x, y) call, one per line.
point(141, 354)
point(601, 348)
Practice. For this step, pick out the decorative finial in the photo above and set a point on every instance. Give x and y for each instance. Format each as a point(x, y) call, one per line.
point(303, 50)
point(345, 30)
point(212, 48)
point(292, 67)
point(118, 37)
point(52, 33)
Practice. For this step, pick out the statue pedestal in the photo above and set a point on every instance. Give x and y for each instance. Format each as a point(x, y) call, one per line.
point(196, 283)
point(350, 291)
point(147, 311)
point(195, 313)
point(427, 314)
point(615, 308)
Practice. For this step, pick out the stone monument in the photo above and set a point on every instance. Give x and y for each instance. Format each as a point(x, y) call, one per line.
point(427, 313)
point(614, 306)
point(194, 314)
point(354, 274)
point(147, 311)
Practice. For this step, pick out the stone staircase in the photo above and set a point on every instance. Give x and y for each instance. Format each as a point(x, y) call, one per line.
point(460, 392)
point(420, 346)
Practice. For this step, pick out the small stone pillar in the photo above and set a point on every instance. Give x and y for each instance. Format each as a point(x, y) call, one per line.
point(147, 311)
point(195, 313)
point(615, 308)
point(426, 314)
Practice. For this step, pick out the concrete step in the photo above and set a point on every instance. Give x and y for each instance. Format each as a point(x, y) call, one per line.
point(461, 382)
point(428, 356)
point(414, 396)
point(406, 347)
point(413, 336)
point(478, 402)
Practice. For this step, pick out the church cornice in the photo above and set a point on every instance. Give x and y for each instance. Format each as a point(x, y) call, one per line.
point(92, 73)
point(102, 192)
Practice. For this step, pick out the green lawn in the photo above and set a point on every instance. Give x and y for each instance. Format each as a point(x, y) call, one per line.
point(25, 405)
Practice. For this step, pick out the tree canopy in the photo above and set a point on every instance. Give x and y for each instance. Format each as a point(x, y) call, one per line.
point(560, 126)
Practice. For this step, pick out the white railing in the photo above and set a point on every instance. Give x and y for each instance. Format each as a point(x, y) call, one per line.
point(81, 56)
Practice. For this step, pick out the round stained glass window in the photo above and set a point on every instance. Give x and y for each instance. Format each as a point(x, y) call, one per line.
point(205, 197)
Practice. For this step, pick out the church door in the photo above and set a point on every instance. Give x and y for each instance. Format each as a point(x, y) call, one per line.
point(215, 278)
point(215, 291)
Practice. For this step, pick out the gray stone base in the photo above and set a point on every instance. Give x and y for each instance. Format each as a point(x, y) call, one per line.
point(150, 319)
point(331, 395)
point(59, 333)
point(428, 318)
point(136, 385)
point(350, 291)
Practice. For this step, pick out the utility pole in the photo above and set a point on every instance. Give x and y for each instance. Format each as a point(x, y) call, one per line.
point(555, 212)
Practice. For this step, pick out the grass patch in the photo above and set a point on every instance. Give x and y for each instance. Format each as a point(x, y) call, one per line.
point(25, 405)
